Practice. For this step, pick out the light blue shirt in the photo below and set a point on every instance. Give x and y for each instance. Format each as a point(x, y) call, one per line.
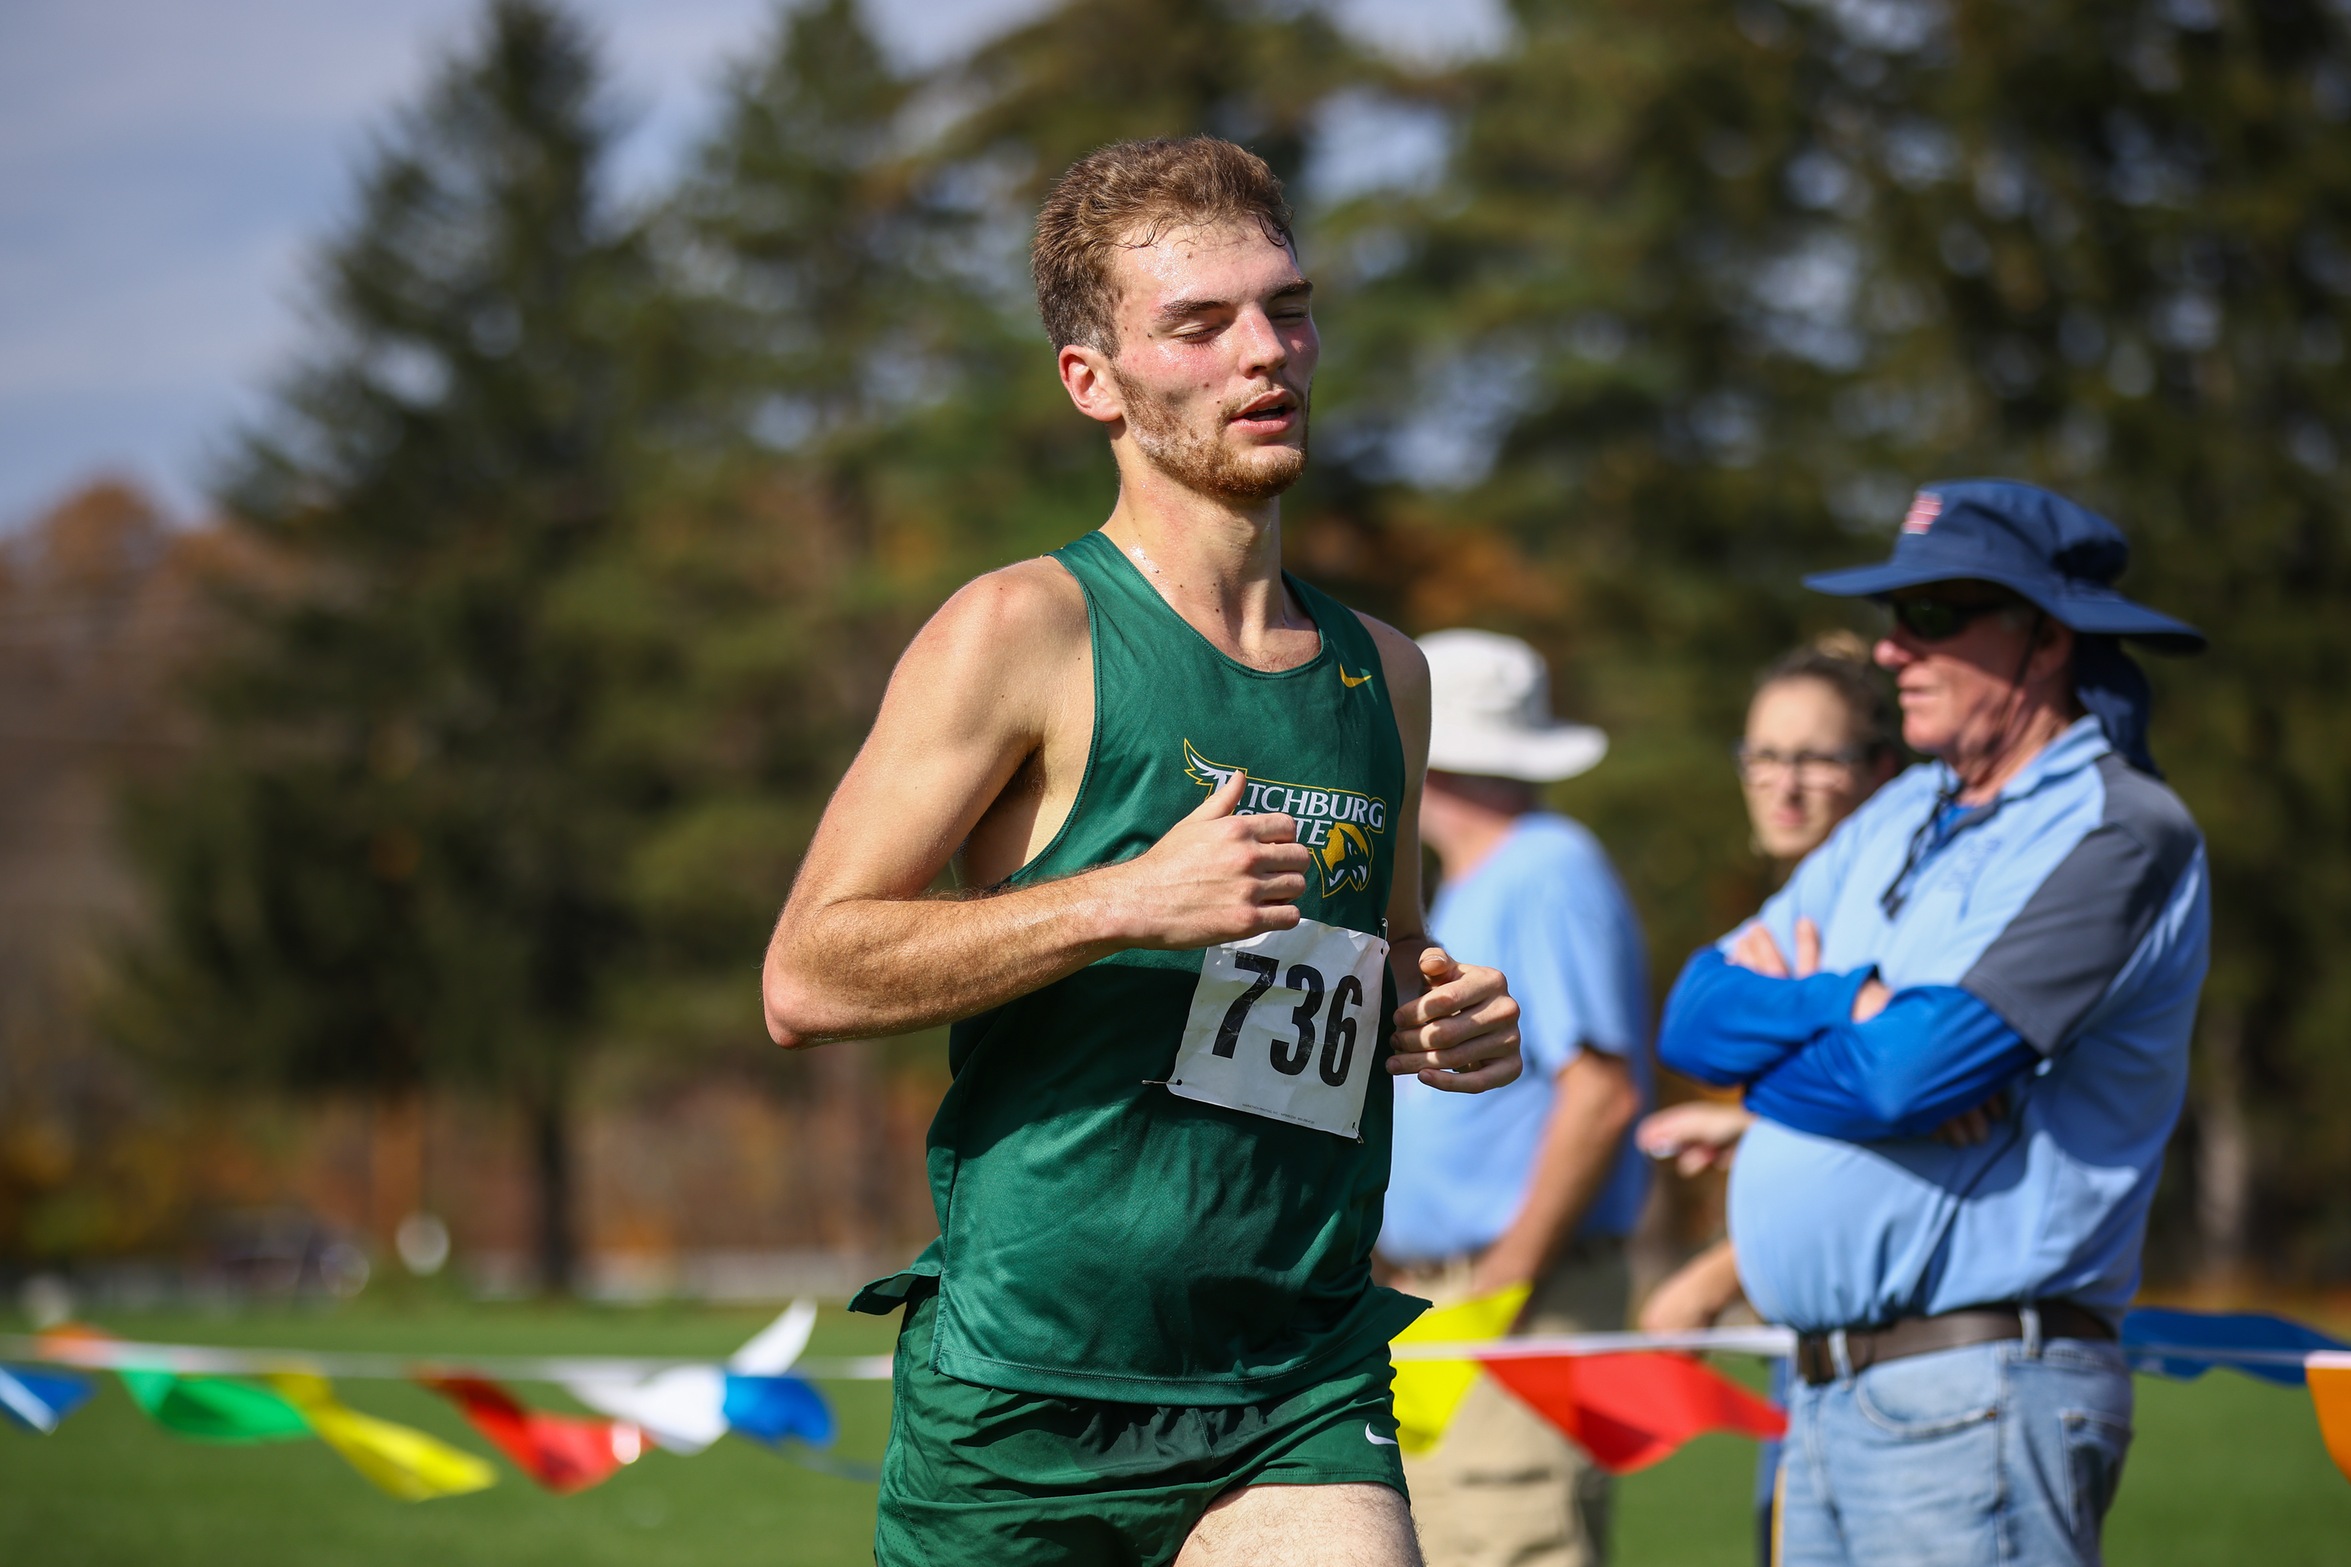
point(2076, 907)
point(1547, 910)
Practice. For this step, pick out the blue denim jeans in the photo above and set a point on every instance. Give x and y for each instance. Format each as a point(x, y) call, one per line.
point(1993, 1455)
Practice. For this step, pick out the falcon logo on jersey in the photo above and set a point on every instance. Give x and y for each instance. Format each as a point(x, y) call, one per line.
point(1337, 824)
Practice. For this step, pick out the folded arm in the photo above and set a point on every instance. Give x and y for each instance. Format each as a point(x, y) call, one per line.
point(1727, 1025)
point(1931, 1053)
point(1934, 1052)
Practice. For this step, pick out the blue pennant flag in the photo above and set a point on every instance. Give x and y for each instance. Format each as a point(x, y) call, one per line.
point(38, 1400)
point(772, 1409)
point(2186, 1344)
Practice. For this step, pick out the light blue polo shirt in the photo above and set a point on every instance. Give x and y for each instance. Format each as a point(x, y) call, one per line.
point(2077, 908)
point(1547, 910)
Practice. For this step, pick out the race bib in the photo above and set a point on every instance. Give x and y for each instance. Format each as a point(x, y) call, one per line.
point(1285, 1025)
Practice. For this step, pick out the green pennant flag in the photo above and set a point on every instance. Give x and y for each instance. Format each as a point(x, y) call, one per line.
point(214, 1409)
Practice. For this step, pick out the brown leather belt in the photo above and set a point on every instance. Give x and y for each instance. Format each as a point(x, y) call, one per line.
point(1816, 1360)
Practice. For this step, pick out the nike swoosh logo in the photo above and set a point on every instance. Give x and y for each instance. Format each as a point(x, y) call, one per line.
point(1369, 1435)
point(1352, 681)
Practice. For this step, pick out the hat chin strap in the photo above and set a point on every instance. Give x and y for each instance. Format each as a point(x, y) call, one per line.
point(1974, 773)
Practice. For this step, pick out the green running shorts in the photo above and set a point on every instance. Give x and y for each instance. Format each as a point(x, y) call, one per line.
point(978, 1477)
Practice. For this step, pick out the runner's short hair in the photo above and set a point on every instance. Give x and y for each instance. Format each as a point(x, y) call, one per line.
point(1840, 660)
point(1128, 194)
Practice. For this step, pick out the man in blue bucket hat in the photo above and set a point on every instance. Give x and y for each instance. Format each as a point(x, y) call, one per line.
point(1963, 1027)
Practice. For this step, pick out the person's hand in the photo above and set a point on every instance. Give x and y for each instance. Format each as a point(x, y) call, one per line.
point(1216, 877)
point(1756, 949)
point(1697, 1135)
point(1500, 1268)
point(1695, 1295)
point(1461, 1033)
point(1970, 1127)
point(1870, 999)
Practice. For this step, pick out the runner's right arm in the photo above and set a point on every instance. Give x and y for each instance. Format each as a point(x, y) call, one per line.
point(863, 948)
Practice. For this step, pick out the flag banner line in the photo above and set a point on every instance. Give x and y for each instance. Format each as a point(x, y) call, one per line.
point(196, 1359)
point(1771, 1343)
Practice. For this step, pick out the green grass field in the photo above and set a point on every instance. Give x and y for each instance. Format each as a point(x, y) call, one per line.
point(2225, 1471)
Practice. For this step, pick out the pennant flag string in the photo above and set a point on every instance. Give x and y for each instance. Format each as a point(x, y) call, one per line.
point(1620, 1394)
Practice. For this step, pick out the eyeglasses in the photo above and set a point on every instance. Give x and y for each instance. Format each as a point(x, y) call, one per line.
point(1939, 620)
point(1812, 769)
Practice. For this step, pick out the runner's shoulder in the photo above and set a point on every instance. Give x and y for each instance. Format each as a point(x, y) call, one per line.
point(1407, 668)
point(1029, 607)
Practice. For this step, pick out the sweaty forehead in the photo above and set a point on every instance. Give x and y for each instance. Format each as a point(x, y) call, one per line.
point(1173, 263)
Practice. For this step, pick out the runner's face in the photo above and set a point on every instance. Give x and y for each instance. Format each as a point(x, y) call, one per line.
point(1216, 358)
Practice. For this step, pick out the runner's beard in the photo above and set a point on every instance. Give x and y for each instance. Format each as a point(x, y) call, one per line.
point(1205, 462)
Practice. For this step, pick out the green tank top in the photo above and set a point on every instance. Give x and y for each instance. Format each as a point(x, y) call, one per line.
point(1102, 1235)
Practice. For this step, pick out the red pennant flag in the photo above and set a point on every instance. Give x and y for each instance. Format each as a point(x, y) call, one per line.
point(564, 1453)
point(1629, 1411)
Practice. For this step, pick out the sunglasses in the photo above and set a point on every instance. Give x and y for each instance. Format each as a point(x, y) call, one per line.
point(1939, 620)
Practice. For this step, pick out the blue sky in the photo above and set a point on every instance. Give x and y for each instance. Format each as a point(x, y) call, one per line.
point(165, 167)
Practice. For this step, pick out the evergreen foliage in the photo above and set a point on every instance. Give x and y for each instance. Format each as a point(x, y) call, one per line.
point(401, 856)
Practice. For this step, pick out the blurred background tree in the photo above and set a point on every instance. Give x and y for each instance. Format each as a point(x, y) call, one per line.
point(401, 855)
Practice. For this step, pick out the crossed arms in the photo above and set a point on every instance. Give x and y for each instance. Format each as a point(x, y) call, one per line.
point(1837, 1055)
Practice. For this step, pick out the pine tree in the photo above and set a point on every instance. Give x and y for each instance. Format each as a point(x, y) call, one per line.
point(401, 858)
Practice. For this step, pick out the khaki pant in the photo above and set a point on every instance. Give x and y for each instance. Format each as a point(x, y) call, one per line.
point(1504, 1488)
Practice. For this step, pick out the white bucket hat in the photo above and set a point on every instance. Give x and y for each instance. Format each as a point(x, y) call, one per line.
point(1490, 712)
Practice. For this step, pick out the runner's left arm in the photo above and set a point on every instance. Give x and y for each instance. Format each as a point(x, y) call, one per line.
point(1457, 1027)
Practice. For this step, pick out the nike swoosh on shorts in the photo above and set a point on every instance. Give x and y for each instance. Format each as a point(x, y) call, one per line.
point(1375, 1439)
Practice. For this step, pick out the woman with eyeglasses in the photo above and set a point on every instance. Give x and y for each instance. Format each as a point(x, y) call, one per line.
point(1823, 735)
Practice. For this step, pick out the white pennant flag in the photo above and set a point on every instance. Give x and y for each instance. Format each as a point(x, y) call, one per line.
point(684, 1409)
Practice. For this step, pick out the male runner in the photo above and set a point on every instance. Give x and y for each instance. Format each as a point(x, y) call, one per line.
point(1183, 788)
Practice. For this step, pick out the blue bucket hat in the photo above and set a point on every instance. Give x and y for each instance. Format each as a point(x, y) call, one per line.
point(2062, 558)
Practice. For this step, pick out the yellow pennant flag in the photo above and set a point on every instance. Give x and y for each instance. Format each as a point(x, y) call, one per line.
point(1428, 1391)
point(399, 1459)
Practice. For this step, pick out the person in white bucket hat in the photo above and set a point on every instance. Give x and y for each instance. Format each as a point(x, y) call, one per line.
point(1493, 712)
point(1537, 1184)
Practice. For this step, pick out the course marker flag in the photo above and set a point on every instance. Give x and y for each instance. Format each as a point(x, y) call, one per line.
point(564, 1453)
point(38, 1400)
point(213, 1409)
point(772, 1409)
point(687, 1408)
point(2330, 1393)
point(1629, 1411)
point(399, 1459)
point(682, 1410)
point(2186, 1344)
point(1427, 1392)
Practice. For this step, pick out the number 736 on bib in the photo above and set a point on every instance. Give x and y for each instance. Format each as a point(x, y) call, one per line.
point(1285, 1025)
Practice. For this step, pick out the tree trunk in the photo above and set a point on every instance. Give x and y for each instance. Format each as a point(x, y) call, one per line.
point(395, 1164)
point(2224, 1152)
point(551, 1163)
